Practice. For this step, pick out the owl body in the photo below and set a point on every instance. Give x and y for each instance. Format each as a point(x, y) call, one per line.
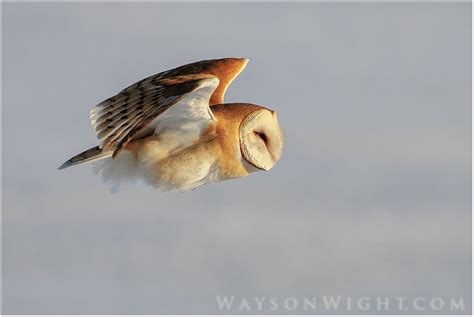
point(190, 143)
point(165, 161)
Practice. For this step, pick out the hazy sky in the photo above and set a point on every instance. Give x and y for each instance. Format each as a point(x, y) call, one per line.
point(372, 196)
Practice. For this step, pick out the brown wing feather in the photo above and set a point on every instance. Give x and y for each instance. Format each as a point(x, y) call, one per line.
point(226, 69)
point(118, 119)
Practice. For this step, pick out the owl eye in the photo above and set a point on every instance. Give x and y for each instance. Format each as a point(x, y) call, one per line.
point(262, 136)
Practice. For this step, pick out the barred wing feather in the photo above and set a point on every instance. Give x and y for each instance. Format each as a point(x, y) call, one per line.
point(118, 119)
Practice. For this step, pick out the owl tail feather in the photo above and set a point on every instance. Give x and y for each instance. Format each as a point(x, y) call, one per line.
point(90, 155)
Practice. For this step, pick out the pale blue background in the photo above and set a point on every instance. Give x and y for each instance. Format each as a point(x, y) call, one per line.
point(372, 196)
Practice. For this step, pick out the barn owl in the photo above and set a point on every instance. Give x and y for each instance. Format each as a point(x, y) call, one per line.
point(174, 131)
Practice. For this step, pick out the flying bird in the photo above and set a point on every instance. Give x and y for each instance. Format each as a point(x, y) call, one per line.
point(174, 131)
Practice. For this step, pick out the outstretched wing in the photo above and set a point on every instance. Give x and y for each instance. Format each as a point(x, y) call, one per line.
point(225, 69)
point(121, 118)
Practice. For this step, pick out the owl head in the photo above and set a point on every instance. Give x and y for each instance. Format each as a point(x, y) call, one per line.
point(253, 132)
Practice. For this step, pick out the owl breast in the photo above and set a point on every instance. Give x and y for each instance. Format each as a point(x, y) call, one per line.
point(168, 167)
point(188, 168)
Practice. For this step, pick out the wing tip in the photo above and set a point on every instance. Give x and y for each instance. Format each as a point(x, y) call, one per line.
point(63, 166)
point(239, 62)
point(90, 155)
point(245, 60)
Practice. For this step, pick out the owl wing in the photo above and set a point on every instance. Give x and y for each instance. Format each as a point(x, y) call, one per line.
point(125, 116)
point(225, 69)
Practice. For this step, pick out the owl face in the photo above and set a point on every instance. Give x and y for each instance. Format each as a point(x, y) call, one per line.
point(261, 139)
